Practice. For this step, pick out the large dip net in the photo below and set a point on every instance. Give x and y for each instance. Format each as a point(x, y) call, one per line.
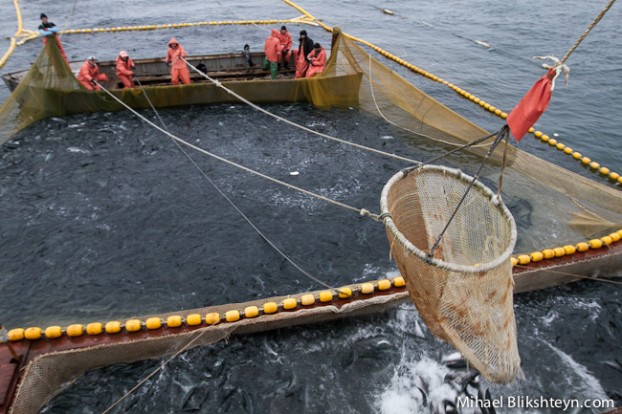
point(463, 290)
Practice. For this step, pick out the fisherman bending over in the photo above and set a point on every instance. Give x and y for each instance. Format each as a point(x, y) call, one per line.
point(89, 73)
point(125, 69)
point(317, 60)
point(48, 30)
point(179, 69)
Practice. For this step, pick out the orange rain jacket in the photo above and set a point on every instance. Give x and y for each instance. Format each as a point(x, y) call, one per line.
point(272, 48)
point(173, 55)
point(318, 62)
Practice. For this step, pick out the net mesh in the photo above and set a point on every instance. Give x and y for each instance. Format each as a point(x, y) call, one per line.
point(464, 292)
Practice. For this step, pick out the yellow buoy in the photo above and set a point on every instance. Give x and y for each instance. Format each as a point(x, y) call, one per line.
point(538, 134)
point(133, 325)
point(536, 256)
point(270, 307)
point(174, 321)
point(384, 284)
point(113, 327)
point(614, 176)
point(604, 170)
point(585, 160)
point(548, 253)
point(289, 303)
point(153, 323)
point(607, 240)
point(569, 249)
point(307, 299)
point(251, 311)
point(559, 251)
point(326, 296)
point(514, 261)
point(212, 318)
point(399, 281)
point(615, 237)
point(545, 138)
point(577, 155)
point(560, 146)
point(16, 334)
point(345, 292)
point(94, 328)
point(367, 288)
point(596, 243)
point(232, 316)
point(53, 332)
point(75, 330)
point(583, 247)
point(194, 319)
point(32, 333)
point(523, 259)
point(552, 142)
point(594, 165)
point(568, 150)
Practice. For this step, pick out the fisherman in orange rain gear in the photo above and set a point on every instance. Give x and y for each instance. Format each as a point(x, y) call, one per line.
point(89, 73)
point(285, 40)
point(272, 48)
point(300, 56)
point(48, 30)
point(125, 69)
point(179, 69)
point(317, 60)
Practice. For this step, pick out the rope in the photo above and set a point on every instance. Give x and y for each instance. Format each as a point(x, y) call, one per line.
point(302, 127)
point(233, 163)
point(235, 207)
point(500, 135)
point(586, 32)
point(597, 279)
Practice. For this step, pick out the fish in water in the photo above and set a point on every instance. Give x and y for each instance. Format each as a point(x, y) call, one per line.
point(482, 43)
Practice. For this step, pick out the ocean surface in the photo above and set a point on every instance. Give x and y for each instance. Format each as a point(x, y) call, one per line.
point(103, 218)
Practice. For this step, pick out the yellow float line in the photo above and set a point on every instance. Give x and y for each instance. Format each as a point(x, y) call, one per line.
point(177, 26)
point(34, 333)
point(594, 166)
point(9, 52)
point(567, 250)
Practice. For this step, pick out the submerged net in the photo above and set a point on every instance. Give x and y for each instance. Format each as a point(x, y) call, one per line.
point(464, 291)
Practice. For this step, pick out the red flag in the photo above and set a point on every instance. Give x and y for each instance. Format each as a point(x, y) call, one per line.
point(533, 104)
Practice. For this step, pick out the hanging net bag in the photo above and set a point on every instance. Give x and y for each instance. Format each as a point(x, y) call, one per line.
point(463, 291)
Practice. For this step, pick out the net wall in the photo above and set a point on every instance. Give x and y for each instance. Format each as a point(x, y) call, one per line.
point(464, 293)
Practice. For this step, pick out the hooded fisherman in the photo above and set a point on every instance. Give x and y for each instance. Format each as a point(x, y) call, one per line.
point(89, 73)
point(272, 48)
point(305, 46)
point(317, 60)
point(286, 47)
point(179, 69)
point(125, 69)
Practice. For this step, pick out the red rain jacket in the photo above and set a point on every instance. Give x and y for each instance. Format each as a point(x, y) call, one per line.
point(173, 55)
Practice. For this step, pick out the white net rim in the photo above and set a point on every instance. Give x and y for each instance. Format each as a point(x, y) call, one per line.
point(477, 186)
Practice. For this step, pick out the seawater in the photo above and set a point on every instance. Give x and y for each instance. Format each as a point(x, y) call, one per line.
point(102, 218)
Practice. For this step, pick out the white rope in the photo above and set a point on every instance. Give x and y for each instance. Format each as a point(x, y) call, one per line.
point(232, 163)
point(302, 127)
point(244, 216)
